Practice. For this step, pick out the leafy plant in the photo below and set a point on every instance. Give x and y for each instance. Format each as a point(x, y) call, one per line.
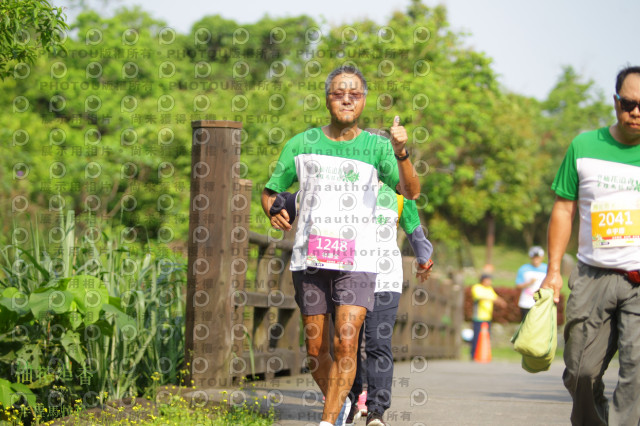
point(26, 28)
point(87, 316)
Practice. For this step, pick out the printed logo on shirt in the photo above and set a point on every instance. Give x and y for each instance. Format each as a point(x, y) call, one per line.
point(381, 219)
point(350, 176)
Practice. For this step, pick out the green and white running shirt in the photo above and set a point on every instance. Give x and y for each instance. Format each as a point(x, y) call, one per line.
point(604, 176)
point(389, 264)
point(338, 192)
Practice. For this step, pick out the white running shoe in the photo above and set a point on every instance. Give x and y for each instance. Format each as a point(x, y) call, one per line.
point(342, 417)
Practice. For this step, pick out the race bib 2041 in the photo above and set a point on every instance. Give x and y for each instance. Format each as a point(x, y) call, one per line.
point(615, 223)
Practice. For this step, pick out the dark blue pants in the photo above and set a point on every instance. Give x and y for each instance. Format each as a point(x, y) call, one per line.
point(377, 368)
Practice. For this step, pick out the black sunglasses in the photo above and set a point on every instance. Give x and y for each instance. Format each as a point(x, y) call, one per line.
point(627, 104)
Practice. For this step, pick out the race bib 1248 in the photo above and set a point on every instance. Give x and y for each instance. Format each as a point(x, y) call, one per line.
point(325, 250)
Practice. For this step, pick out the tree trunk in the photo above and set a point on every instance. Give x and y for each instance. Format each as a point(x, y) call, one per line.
point(491, 239)
point(528, 233)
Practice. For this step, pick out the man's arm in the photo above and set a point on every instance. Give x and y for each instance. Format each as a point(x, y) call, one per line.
point(409, 221)
point(279, 220)
point(409, 185)
point(558, 235)
point(422, 249)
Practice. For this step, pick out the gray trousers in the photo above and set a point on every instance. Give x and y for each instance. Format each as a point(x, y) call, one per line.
point(603, 316)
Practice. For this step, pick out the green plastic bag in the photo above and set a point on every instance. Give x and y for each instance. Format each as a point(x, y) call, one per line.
point(537, 337)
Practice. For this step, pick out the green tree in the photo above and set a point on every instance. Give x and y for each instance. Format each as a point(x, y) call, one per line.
point(122, 96)
point(28, 27)
point(573, 106)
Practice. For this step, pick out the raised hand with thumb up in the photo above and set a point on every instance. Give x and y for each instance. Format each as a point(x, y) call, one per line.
point(398, 137)
point(409, 185)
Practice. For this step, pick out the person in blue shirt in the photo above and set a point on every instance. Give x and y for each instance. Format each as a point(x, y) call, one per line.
point(530, 278)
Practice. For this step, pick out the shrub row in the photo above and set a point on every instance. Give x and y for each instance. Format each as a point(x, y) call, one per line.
point(510, 314)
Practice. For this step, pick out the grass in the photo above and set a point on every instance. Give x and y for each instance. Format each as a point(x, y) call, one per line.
point(173, 405)
point(506, 261)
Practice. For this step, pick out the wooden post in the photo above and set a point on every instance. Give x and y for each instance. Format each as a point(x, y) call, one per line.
point(240, 251)
point(215, 159)
point(290, 319)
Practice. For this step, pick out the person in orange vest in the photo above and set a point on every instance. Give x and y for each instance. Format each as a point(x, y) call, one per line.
point(484, 297)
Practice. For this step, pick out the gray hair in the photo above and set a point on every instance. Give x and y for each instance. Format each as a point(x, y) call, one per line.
point(344, 69)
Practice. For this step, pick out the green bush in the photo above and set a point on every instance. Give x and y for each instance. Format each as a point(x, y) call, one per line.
point(86, 317)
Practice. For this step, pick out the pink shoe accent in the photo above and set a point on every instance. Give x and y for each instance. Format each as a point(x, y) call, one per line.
point(362, 403)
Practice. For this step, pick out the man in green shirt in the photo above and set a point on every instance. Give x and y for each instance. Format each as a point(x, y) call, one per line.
point(334, 258)
point(600, 179)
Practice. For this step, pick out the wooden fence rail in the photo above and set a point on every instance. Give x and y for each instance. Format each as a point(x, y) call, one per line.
point(242, 318)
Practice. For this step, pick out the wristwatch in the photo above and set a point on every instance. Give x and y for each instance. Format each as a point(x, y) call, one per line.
point(404, 157)
point(426, 266)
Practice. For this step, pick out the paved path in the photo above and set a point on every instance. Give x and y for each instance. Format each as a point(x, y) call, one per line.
point(449, 393)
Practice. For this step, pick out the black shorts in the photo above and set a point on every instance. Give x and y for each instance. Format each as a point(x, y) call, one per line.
point(319, 290)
